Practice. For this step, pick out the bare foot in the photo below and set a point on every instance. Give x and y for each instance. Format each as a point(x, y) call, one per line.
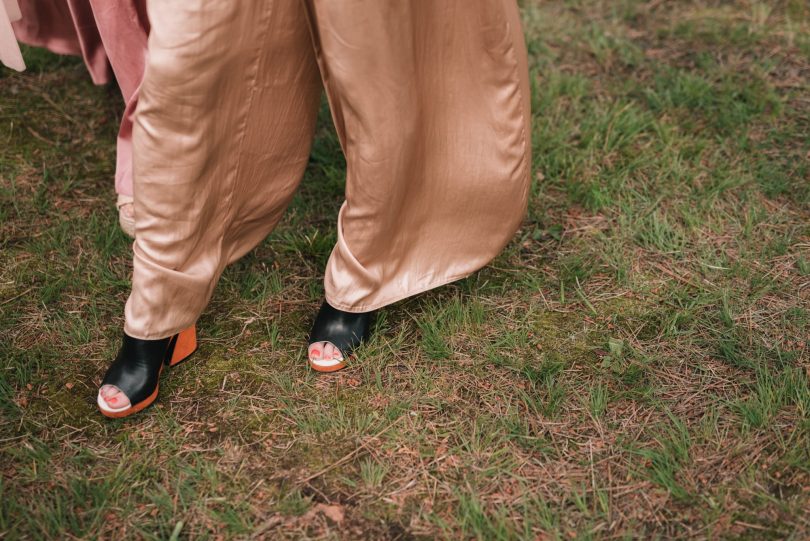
point(114, 398)
point(128, 211)
point(321, 352)
point(334, 336)
point(126, 214)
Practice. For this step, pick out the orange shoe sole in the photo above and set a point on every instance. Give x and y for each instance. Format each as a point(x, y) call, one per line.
point(334, 368)
point(340, 366)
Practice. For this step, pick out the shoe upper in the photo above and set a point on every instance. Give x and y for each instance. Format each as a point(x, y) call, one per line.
point(344, 330)
point(136, 369)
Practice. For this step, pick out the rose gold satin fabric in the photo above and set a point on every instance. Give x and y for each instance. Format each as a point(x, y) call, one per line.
point(10, 54)
point(431, 103)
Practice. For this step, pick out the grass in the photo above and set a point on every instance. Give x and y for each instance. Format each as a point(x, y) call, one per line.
point(634, 365)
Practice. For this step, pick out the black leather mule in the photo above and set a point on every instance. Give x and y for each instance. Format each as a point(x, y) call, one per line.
point(344, 330)
point(136, 370)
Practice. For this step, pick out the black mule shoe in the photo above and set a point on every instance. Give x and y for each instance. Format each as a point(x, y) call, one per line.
point(344, 330)
point(136, 370)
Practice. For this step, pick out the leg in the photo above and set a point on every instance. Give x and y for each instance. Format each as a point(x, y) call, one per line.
point(221, 138)
point(106, 34)
point(124, 28)
point(431, 99)
point(222, 133)
point(431, 102)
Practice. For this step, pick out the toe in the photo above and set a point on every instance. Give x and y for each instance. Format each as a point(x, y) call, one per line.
point(331, 352)
point(113, 396)
point(107, 391)
point(323, 352)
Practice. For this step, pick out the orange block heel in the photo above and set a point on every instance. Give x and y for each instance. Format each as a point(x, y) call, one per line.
point(184, 346)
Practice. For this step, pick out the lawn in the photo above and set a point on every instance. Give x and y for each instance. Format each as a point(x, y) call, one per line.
point(634, 365)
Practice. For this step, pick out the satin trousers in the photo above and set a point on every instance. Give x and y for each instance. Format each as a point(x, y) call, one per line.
point(430, 100)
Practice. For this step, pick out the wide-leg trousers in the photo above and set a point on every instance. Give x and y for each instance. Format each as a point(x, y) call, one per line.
point(430, 99)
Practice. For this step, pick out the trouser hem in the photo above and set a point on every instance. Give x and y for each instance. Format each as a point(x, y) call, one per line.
point(369, 307)
point(155, 335)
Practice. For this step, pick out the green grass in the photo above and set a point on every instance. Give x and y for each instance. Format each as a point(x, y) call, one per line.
point(634, 365)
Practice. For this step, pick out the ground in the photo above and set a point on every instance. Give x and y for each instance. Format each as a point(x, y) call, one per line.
point(635, 364)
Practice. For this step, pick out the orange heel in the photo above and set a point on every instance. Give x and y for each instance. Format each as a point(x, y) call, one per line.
point(184, 346)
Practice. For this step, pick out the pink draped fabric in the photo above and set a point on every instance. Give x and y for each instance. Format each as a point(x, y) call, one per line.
point(64, 27)
point(124, 28)
point(106, 34)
